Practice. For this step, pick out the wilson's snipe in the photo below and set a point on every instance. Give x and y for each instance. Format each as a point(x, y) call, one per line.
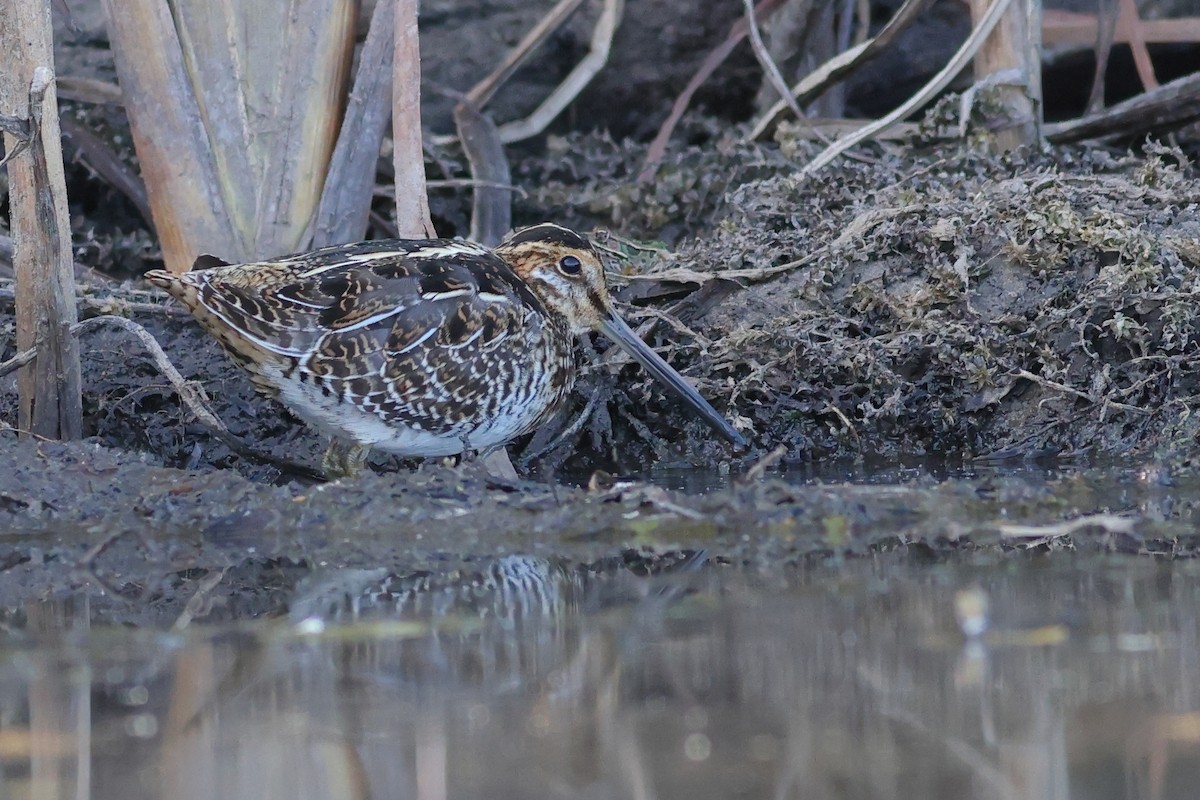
point(419, 347)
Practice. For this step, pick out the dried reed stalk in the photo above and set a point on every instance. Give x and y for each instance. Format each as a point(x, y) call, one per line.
point(412, 202)
point(234, 117)
point(1014, 44)
point(49, 387)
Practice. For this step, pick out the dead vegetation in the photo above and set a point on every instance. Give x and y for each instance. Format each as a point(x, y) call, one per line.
point(912, 297)
point(1005, 307)
point(1016, 306)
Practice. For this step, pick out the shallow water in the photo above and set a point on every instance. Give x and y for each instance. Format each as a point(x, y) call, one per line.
point(1051, 676)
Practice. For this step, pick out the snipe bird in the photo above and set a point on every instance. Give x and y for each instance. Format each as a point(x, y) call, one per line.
point(429, 347)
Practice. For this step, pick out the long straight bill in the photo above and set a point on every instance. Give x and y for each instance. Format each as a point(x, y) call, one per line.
point(615, 328)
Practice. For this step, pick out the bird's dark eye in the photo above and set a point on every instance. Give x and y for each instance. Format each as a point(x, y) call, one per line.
point(570, 265)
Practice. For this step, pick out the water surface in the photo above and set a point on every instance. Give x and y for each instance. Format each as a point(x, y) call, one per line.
point(1053, 676)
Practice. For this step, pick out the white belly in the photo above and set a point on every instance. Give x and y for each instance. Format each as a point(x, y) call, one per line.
point(346, 420)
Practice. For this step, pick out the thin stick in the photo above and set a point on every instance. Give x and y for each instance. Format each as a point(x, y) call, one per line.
point(1060, 387)
point(412, 200)
point(926, 93)
point(770, 69)
point(191, 396)
point(89, 90)
point(482, 92)
point(843, 64)
point(115, 303)
point(738, 31)
point(386, 189)
point(576, 80)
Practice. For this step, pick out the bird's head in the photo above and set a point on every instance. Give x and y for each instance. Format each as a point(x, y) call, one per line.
point(566, 273)
point(563, 270)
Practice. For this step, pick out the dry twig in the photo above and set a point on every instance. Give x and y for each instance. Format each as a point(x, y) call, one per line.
point(842, 65)
point(738, 31)
point(1061, 387)
point(568, 89)
point(89, 90)
point(923, 95)
point(1110, 523)
point(1170, 106)
point(482, 92)
point(759, 468)
point(576, 80)
point(770, 69)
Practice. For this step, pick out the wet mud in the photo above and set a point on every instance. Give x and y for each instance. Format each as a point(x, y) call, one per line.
point(155, 546)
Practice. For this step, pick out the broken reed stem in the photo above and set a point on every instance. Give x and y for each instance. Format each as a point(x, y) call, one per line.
point(344, 210)
point(175, 155)
point(491, 211)
point(1014, 44)
point(412, 201)
point(50, 402)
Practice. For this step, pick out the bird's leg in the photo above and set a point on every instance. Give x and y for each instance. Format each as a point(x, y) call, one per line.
point(467, 455)
point(343, 459)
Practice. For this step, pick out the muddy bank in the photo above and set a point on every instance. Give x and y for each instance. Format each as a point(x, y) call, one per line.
point(918, 299)
point(930, 301)
point(927, 301)
point(150, 545)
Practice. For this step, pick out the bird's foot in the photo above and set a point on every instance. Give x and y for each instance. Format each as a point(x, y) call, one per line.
point(343, 459)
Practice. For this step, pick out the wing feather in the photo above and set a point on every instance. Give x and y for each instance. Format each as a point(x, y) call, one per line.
point(411, 328)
